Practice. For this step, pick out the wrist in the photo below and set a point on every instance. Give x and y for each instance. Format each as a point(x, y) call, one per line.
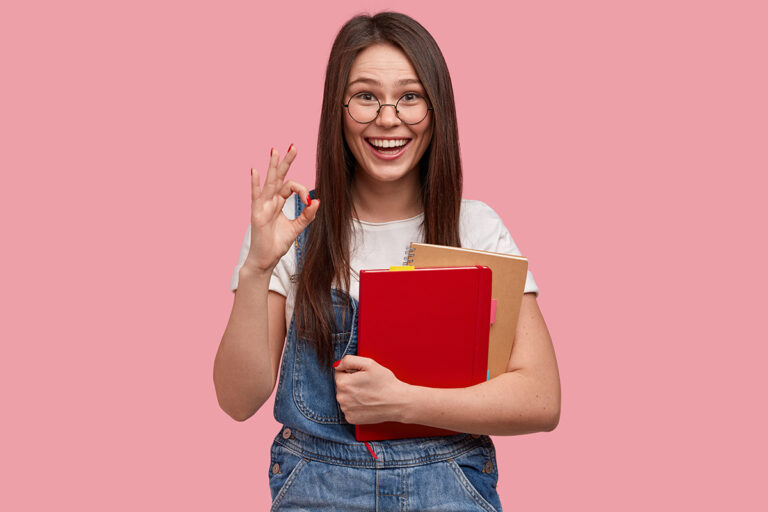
point(249, 273)
point(410, 402)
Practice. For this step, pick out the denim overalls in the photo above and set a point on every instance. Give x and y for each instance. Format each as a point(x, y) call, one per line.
point(316, 463)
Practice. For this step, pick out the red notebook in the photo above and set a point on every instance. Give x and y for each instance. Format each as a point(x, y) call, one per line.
point(430, 327)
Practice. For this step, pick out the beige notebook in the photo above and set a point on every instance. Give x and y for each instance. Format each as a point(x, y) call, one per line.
point(509, 273)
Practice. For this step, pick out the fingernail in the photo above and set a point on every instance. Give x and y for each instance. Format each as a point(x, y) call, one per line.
point(309, 201)
point(289, 147)
point(270, 152)
point(251, 171)
point(336, 363)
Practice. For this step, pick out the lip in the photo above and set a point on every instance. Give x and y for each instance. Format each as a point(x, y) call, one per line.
point(389, 156)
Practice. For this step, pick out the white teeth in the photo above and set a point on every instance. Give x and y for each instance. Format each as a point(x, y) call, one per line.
point(385, 143)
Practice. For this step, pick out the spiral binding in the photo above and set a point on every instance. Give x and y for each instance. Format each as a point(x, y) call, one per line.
point(408, 259)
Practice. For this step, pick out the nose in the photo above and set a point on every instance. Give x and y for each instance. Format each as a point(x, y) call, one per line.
point(387, 116)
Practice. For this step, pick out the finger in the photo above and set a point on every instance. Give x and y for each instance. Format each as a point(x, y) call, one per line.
point(282, 168)
point(307, 216)
point(352, 363)
point(290, 187)
point(271, 179)
point(255, 189)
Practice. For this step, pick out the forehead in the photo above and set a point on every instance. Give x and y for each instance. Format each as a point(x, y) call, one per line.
point(382, 62)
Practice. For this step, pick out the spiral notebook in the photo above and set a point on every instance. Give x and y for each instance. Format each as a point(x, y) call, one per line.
point(509, 274)
point(429, 327)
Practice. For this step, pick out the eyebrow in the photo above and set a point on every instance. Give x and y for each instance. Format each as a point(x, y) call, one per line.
point(404, 81)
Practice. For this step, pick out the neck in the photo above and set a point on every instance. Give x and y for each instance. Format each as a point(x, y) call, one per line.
point(377, 201)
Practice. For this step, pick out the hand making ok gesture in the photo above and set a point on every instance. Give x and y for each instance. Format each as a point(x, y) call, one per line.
point(272, 233)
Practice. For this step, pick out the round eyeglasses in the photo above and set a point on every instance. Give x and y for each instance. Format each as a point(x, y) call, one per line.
point(411, 108)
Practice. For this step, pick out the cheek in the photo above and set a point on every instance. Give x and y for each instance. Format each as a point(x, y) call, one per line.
point(349, 141)
point(425, 133)
point(352, 136)
point(426, 137)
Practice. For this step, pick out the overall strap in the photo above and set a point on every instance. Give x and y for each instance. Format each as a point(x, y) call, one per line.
point(300, 242)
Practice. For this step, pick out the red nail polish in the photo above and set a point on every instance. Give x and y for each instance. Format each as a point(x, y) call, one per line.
point(336, 363)
point(309, 201)
point(251, 171)
point(289, 148)
point(270, 152)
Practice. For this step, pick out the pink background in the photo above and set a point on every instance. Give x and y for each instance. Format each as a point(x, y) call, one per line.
point(624, 145)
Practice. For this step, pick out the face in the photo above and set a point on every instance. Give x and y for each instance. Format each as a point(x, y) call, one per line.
point(384, 71)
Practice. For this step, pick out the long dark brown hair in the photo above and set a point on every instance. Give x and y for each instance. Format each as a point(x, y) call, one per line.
point(326, 261)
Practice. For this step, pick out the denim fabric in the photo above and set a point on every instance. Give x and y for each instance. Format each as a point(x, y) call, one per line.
point(316, 463)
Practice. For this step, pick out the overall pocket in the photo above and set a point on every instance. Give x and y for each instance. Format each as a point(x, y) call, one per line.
point(476, 473)
point(284, 468)
point(314, 385)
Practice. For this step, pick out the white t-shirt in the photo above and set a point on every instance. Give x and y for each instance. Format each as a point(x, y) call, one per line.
point(378, 245)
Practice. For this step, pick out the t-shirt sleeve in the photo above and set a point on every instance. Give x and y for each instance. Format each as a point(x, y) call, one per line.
point(506, 245)
point(483, 229)
point(280, 281)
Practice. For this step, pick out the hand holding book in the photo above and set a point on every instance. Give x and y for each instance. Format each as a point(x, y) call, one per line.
point(368, 392)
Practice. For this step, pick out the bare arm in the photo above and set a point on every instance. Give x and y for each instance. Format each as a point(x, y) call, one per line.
point(243, 374)
point(246, 364)
point(523, 400)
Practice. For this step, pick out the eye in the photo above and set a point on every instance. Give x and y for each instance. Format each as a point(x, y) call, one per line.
point(365, 97)
point(410, 98)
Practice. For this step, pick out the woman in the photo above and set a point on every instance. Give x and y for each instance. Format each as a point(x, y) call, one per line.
point(388, 173)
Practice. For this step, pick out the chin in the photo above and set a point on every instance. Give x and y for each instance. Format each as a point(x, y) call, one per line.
point(386, 175)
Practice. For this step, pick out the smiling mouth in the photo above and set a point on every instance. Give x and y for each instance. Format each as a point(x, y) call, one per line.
point(390, 147)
